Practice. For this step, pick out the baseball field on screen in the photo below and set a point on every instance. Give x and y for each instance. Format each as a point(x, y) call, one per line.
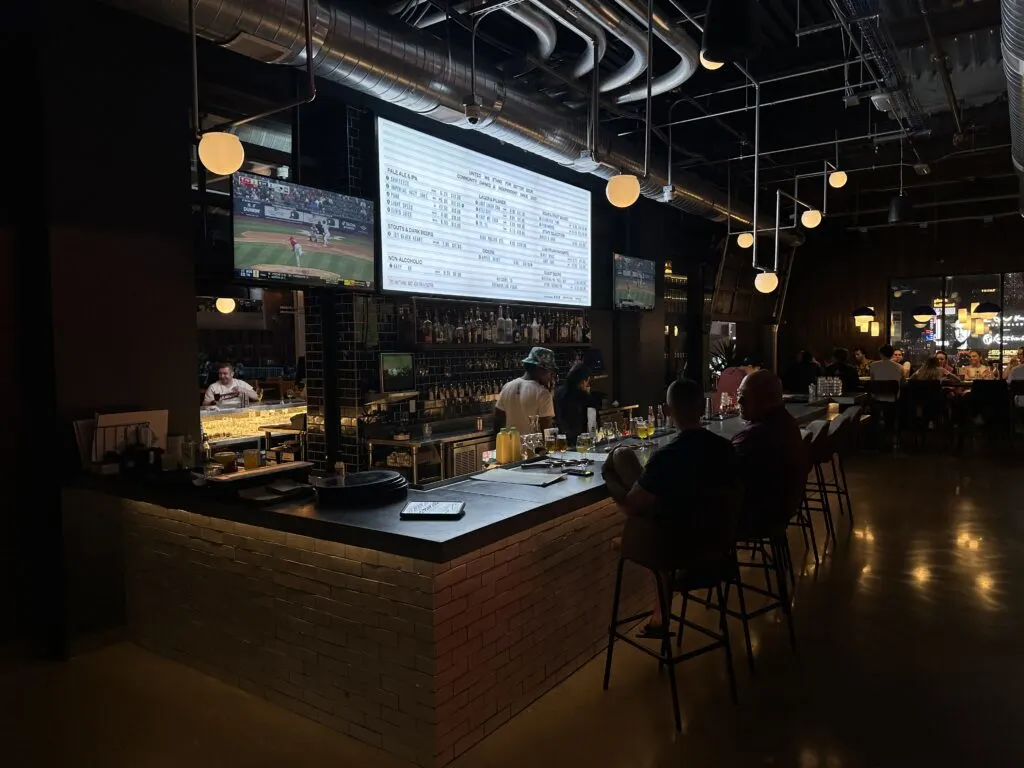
point(265, 245)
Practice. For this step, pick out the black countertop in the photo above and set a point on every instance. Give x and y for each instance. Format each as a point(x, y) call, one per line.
point(494, 511)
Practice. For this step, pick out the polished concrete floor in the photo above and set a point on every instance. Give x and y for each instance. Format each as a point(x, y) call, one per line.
point(910, 654)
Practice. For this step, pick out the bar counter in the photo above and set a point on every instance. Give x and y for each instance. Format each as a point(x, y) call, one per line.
point(418, 637)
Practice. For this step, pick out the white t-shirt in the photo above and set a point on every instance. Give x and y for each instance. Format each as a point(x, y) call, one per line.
point(886, 370)
point(522, 398)
point(230, 394)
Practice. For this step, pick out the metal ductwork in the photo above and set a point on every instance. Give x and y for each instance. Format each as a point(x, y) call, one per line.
point(587, 29)
point(531, 18)
point(383, 59)
point(612, 22)
point(680, 43)
point(1013, 65)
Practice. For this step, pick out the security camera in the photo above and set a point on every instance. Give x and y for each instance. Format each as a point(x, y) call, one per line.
point(473, 107)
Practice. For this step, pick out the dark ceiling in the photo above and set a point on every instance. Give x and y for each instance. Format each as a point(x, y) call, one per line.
point(798, 133)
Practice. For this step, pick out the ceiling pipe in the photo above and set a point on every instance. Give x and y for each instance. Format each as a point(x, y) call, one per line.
point(612, 21)
point(585, 28)
point(941, 62)
point(680, 43)
point(531, 18)
point(377, 56)
point(1013, 66)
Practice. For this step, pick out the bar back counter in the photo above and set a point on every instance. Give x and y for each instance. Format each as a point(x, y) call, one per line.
point(418, 637)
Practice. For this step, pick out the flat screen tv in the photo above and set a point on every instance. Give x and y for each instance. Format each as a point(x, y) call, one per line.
point(289, 233)
point(396, 372)
point(633, 283)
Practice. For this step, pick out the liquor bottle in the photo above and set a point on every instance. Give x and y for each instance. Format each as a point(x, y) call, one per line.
point(477, 336)
point(509, 323)
point(426, 329)
point(586, 331)
point(460, 329)
point(501, 325)
point(563, 330)
point(449, 329)
point(517, 332)
point(534, 330)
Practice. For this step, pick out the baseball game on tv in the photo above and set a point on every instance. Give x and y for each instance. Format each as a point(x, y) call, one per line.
point(291, 233)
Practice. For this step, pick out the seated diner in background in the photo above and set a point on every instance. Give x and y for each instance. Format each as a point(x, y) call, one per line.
point(772, 458)
point(841, 369)
point(932, 370)
point(572, 399)
point(943, 361)
point(804, 372)
point(898, 358)
point(861, 361)
point(730, 380)
point(1015, 372)
point(976, 368)
point(1013, 364)
point(679, 478)
point(229, 392)
point(885, 368)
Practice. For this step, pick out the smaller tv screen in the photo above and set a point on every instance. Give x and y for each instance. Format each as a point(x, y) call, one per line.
point(289, 233)
point(634, 283)
point(396, 372)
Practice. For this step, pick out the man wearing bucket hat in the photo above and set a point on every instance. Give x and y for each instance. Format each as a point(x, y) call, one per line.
point(529, 395)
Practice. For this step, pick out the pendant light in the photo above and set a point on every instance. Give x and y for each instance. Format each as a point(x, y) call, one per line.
point(863, 314)
point(221, 153)
point(766, 282)
point(923, 314)
point(979, 327)
point(732, 32)
point(837, 179)
point(876, 329)
point(744, 239)
point(900, 207)
point(708, 64)
point(623, 190)
point(225, 306)
point(987, 310)
point(810, 218)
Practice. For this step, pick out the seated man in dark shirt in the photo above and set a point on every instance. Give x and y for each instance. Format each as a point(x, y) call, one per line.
point(679, 478)
point(773, 460)
point(842, 370)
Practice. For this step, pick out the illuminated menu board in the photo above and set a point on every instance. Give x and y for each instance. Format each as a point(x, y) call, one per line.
point(458, 223)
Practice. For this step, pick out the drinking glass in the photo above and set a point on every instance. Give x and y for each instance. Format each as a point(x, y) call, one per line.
point(561, 445)
point(251, 458)
point(550, 440)
point(610, 433)
point(584, 442)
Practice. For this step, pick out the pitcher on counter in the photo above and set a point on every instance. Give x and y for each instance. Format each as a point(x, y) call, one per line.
point(529, 395)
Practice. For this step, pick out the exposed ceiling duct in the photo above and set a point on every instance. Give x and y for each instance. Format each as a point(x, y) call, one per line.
point(1013, 65)
point(531, 18)
point(680, 43)
point(380, 58)
point(587, 29)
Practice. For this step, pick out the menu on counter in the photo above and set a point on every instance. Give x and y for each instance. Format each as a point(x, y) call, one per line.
point(455, 222)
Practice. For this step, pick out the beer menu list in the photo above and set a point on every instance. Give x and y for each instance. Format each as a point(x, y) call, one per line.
point(458, 223)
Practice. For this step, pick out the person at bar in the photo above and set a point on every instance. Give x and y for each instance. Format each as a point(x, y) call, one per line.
point(885, 368)
point(730, 380)
point(572, 399)
point(841, 369)
point(229, 392)
point(976, 368)
point(898, 358)
point(804, 373)
point(679, 477)
point(862, 361)
point(942, 359)
point(772, 459)
point(529, 395)
point(932, 370)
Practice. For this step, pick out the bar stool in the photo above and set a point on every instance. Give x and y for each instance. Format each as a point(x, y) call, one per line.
point(802, 519)
point(883, 400)
point(772, 545)
point(816, 494)
point(684, 559)
point(843, 433)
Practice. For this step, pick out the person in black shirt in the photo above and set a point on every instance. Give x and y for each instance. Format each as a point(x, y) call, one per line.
point(804, 373)
point(842, 370)
point(679, 476)
point(572, 398)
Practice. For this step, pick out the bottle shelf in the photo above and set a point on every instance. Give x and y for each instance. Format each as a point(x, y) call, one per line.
point(421, 347)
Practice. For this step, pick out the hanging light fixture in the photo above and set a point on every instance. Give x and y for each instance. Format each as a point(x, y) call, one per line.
point(810, 218)
point(987, 310)
point(708, 64)
point(225, 306)
point(923, 314)
point(837, 179)
point(920, 325)
point(744, 239)
point(766, 282)
point(862, 315)
point(900, 207)
point(623, 190)
point(221, 153)
point(876, 329)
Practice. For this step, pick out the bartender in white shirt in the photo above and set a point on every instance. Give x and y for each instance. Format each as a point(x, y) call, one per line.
point(227, 391)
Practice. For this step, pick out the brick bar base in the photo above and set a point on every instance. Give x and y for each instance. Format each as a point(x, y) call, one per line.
point(420, 659)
